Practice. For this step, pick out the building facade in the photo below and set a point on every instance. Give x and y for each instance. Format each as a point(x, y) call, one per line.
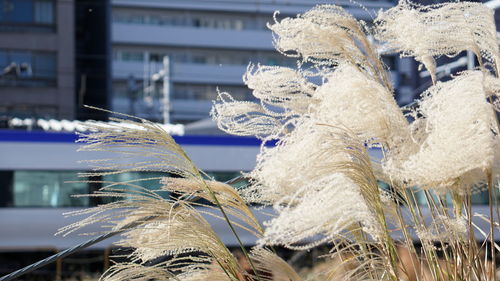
point(37, 61)
point(57, 55)
point(210, 44)
point(92, 58)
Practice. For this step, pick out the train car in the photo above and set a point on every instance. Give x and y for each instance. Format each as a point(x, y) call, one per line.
point(39, 173)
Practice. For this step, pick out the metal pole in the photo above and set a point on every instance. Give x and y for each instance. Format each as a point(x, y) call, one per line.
point(470, 60)
point(59, 270)
point(166, 90)
point(146, 75)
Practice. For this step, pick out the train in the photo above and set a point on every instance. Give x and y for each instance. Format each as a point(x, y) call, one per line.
point(38, 171)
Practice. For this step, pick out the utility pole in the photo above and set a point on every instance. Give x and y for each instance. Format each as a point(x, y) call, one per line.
point(470, 60)
point(164, 74)
point(166, 90)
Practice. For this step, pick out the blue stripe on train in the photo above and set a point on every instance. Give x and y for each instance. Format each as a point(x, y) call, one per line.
point(41, 136)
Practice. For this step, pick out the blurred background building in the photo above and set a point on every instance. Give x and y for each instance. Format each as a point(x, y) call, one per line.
point(210, 44)
point(58, 55)
point(37, 58)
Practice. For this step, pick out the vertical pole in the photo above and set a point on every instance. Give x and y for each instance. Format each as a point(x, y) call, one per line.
point(58, 270)
point(470, 60)
point(146, 77)
point(106, 259)
point(166, 90)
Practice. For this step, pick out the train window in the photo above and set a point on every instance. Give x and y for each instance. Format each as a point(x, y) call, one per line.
point(134, 181)
point(48, 189)
point(229, 176)
point(479, 197)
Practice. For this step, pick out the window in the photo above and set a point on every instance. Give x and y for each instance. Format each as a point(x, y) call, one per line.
point(149, 180)
point(31, 111)
point(239, 183)
point(217, 22)
point(44, 12)
point(217, 57)
point(200, 56)
point(48, 189)
point(190, 19)
point(201, 59)
point(55, 189)
point(479, 197)
point(20, 11)
point(27, 14)
point(27, 68)
point(208, 92)
point(278, 59)
point(125, 55)
point(132, 56)
point(157, 57)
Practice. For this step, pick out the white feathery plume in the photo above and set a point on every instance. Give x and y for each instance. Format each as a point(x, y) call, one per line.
point(285, 89)
point(338, 267)
point(244, 118)
point(311, 151)
point(456, 137)
point(351, 264)
point(351, 98)
point(441, 29)
point(492, 90)
point(180, 232)
point(138, 146)
point(135, 272)
point(328, 35)
point(134, 146)
point(210, 273)
point(322, 34)
point(134, 204)
point(304, 156)
point(156, 226)
point(321, 166)
point(318, 212)
point(284, 94)
point(273, 267)
point(442, 228)
point(228, 197)
point(139, 272)
point(311, 176)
